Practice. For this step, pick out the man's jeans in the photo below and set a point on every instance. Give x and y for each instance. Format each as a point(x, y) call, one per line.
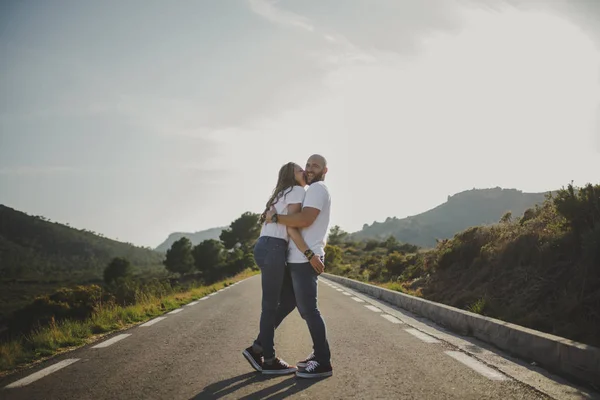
point(300, 288)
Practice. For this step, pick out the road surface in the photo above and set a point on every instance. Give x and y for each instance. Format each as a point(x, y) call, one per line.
point(378, 352)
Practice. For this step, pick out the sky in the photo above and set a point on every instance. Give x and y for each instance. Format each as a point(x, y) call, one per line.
point(141, 118)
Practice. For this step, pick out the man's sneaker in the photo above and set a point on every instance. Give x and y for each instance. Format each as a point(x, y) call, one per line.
point(314, 369)
point(303, 363)
point(277, 367)
point(255, 359)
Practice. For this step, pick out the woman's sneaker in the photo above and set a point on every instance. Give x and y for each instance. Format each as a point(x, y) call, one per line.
point(255, 359)
point(315, 369)
point(277, 367)
point(303, 363)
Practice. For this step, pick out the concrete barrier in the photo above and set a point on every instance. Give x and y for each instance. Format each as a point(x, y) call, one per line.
point(559, 355)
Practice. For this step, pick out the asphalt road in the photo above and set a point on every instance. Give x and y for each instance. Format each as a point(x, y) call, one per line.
point(378, 352)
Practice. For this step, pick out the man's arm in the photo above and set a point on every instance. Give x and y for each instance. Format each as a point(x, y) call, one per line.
point(299, 220)
point(295, 232)
point(315, 261)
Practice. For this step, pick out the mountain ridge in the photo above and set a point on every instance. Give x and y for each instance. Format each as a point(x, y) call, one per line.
point(462, 210)
point(195, 237)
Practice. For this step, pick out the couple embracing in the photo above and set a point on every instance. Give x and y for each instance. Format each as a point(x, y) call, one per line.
point(290, 252)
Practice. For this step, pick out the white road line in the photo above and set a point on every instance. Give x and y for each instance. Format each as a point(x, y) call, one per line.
point(153, 321)
point(477, 366)
point(204, 298)
point(347, 294)
point(423, 336)
point(193, 303)
point(339, 290)
point(373, 308)
point(44, 372)
point(357, 299)
point(175, 311)
point(391, 318)
point(212, 294)
point(111, 341)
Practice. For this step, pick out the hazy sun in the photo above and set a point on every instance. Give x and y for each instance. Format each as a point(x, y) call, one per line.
point(512, 71)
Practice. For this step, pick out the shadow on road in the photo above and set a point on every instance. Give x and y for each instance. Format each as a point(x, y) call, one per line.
point(228, 386)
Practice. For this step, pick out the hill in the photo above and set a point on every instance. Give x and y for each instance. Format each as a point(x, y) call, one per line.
point(464, 209)
point(195, 238)
point(37, 256)
point(540, 270)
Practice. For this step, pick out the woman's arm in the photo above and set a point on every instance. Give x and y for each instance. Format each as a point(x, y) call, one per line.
point(295, 232)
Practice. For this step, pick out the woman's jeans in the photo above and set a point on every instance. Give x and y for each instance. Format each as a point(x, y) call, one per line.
point(270, 255)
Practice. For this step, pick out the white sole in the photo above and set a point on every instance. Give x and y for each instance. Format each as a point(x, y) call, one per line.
point(251, 360)
point(279, 371)
point(309, 375)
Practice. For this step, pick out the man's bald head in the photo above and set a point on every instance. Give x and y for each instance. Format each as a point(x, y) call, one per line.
point(319, 159)
point(316, 168)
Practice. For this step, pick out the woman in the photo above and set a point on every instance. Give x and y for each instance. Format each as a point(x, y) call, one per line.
point(270, 254)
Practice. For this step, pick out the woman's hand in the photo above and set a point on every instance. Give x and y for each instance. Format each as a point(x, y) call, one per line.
point(269, 215)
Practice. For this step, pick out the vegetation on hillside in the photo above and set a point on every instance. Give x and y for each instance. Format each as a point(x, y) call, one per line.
point(71, 314)
point(540, 270)
point(188, 266)
point(465, 209)
point(34, 248)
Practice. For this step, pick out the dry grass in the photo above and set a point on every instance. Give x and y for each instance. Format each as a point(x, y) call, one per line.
point(64, 335)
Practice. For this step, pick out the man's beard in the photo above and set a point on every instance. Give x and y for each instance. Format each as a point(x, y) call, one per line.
point(317, 177)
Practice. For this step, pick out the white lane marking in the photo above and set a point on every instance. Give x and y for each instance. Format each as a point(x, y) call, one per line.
point(204, 298)
point(347, 294)
point(40, 374)
point(373, 308)
point(153, 321)
point(357, 299)
point(423, 336)
point(339, 290)
point(193, 303)
point(391, 318)
point(175, 311)
point(212, 294)
point(477, 366)
point(111, 341)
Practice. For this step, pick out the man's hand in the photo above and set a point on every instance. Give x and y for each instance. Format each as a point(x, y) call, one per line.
point(317, 264)
point(269, 215)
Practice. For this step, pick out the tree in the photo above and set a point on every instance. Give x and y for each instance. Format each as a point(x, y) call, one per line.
point(179, 257)
point(208, 257)
point(333, 255)
point(506, 218)
point(243, 232)
point(336, 236)
point(119, 267)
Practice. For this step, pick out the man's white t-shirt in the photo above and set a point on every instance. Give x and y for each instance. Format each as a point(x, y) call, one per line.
point(295, 196)
point(315, 235)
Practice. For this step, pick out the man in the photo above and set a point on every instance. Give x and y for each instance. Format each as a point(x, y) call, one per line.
point(300, 285)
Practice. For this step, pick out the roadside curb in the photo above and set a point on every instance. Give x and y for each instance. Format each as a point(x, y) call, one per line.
point(559, 355)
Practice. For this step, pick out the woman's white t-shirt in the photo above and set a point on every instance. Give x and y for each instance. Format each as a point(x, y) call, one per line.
point(295, 196)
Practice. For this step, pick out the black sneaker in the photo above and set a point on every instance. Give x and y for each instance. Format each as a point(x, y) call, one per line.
point(303, 363)
point(277, 367)
point(255, 359)
point(314, 369)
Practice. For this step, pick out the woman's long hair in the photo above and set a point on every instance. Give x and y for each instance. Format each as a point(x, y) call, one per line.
point(286, 180)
